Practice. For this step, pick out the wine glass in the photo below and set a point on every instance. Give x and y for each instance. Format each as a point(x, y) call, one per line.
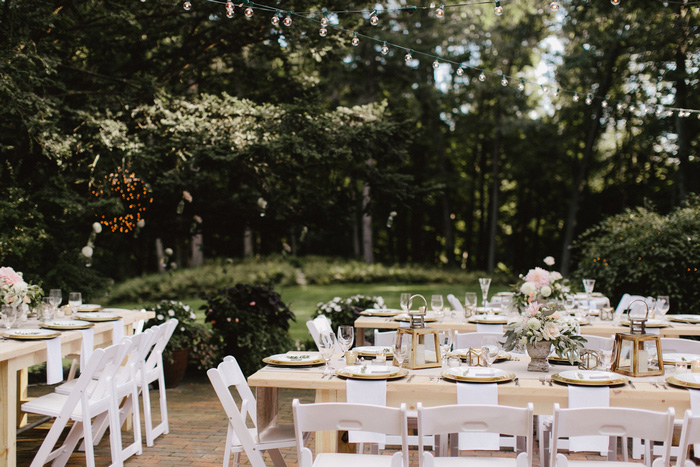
point(326, 345)
point(75, 300)
point(9, 316)
point(445, 339)
point(405, 297)
point(436, 304)
point(484, 283)
point(55, 298)
point(470, 302)
point(663, 304)
point(569, 304)
point(400, 351)
point(489, 349)
point(346, 336)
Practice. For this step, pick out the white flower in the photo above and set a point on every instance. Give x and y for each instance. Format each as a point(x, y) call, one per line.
point(533, 324)
point(549, 261)
point(555, 276)
point(527, 288)
point(550, 331)
point(97, 227)
point(262, 204)
point(159, 317)
point(171, 312)
point(546, 291)
point(87, 251)
point(141, 223)
point(193, 316)
point(168, 251)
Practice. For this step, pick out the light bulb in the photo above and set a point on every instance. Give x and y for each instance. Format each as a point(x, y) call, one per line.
point(249, 12)
point(619, 105)
point(287, 21)
point(385, 49)
point(322, 32)
point(229, 13)
point(460, 71)
point(499, 9)
point(604, 104)
point(482, 77)
point(589, 99)
point(615, 2)
point(554, 6)
point(575, 98)
point(408, 57)
point(504, 80)
point(557, 92)
point(187, 6)
point(355, 40)
point(543, 89)
point(436, 64)
point(374, 19)
point(440, 12)
point(521, 86)
point(324, 21)
point(275, 20)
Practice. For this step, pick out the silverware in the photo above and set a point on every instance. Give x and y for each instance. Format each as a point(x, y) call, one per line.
point(549, 380)
point(410, 378)
point(632, 384)
point(517, 381)
point(542, 378)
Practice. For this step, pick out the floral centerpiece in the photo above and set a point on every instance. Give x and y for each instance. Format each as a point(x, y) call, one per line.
point(542, 326)
point(539, 285)
point(344, 311)
point(16, 292)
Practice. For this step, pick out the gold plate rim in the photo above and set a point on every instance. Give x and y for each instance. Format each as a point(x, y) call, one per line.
point(684, 320)
point(653, 325)
point(431, 319)
point(9, 335)
point(346, 374)
point(98, 319)
point(557, 360)
point(272, 361)
point(682, 384)
point(68, 328)
point(475, 379)
point(489, 321)
point(380, 314)
point(577, 382)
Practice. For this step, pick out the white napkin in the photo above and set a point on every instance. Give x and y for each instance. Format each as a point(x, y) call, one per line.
point(456, 305)
point(86, 346)
point(478, 393)
point(580, 396)
point(694, 395)
point(480, 327)
point(118, 331)
point(366, 392)
point(54, 361)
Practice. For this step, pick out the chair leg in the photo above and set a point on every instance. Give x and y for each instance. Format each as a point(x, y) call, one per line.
point(227, 449)
point(46, 452)
point(115, 434)
point(277, 459)
point(73, 369)
point(163, 406)
point(147, 416)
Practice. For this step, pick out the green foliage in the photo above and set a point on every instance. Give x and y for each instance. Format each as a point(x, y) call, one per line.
point(344, 311)
point(252, 321)
point(646, 253)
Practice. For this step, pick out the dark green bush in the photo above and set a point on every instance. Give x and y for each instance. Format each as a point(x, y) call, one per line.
point(344, 311)
point(252, 321)
point(646, 253)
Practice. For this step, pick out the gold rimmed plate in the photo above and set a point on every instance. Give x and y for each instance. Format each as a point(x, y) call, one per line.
point(488, 319)
point(685, 380)
point(380, 312)
point(66, 325)
point(89, 308)
point(690, 319)
point(405, 318)
point(589, 378)
point(294, 359)
point(650, 323)
point(671, 358)
point(97, 317)
point(372, 372)
point(31, 334)
point(462, 353)
point(373, 350)
point(477, 374)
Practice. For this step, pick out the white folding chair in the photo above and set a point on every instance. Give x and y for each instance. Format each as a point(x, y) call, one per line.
point(320, 325)
point(467, 340)
point(239, 436)
point(625, 301)
point(86, 401)
point(613, 422)
point(343, 416)
point(598, 342)
point(690, 434)
point(385, 339)
point(461, 418)
point(152, 370)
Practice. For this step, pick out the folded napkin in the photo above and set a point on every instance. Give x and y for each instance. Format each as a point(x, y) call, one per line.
point(480, 327)
point(455, 303)
point(54, 361)
point(366, 392)
point(118, 331)
point(86, 346)
point(580, 396)
point(478, 393)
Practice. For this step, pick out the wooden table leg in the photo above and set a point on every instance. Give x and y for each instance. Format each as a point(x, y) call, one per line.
point(22, 396)
point(8, 415)
point(266, 399)
point(326, 441)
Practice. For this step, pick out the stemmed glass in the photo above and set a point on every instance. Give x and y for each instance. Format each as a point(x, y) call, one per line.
point(588, 285)
point(484, 282)
point(663, 304)
point(9, 316)
point(75, 300)
point(399, 351)
point(445, 339)
point(470, 302)
point(436, 304)
point(405, 297)
point(326, 346)
point(346, 336)
point(489, 349)
point(55, 299)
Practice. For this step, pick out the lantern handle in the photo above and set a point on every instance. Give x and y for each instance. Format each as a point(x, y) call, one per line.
point(410, 302)
point(646, 306)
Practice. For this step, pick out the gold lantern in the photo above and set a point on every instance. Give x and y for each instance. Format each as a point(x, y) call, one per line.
point(424, 343)
point(630, 356)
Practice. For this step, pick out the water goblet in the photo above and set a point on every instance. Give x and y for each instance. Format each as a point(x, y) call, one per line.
point(470, 302)
point(445, 340)
point(484, 283)
point(326, 346)
point(436, 305)
point(400, 351)
point(55, 298)
point(489, 349)
point(346, 336)
point(9, 316)
point(75, 300)
point(405, 297)
point(663, 304)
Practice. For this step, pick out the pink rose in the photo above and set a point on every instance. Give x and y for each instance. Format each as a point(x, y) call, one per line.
point(550, 331)
point(8, 276)
point(538, 276)
point(533, 308)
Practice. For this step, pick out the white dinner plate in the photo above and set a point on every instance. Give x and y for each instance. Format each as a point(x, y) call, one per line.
point(477, 374)
point(88, 307)
point(294, 359)
point(27, 334)
point(589, 378)
point(65, 325)
point(372, 350)
point(672, 358)
point(686, 380)
point(97, 317)
point(693, 319)
point(381, 312)
point(372, 372)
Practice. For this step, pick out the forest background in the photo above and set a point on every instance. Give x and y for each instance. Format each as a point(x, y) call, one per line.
point(191, 135)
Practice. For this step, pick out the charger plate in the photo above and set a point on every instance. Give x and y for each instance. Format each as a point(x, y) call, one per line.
point(380, 312)
point(97, 317)
point(559, 360)
point(462, 353)
point(405, 318)
point(31, 334)
point(589, 378)
point(691, 319)
point(685, 380)
point(64, 325)
point(372, 372)
point(651, 323)
point(488, 319)
point(672, 358)
point(298, 359)
point(477, 374)
point(89, 307)
point(372, 350)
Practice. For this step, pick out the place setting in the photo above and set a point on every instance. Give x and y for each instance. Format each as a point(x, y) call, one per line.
point(31, 334)
point(477, 374)
point(589, 378)
point(687, 319)
point(488, 319)
point(380, 312)
point(97, 317)
point(66, 325)
point(294, 359)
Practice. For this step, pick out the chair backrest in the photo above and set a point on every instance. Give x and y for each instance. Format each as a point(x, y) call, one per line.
point(141, 344)
point(320, 325)
point(228, 374)
point(690, 434)
point(472, 340)
point(598, 342)
point(233, 376)
point(670, 344)
point(343, 416)
point(462, 418)
point(105, 375)
point(613, 421)
point(163, 332)
point(625, 301)
point(384, 338)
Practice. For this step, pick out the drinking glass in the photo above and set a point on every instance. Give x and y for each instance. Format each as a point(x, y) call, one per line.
point(346, 336)
point(46, 311)
point(469, 304)
point(405, 297)
point(436, 305)
point(605, 359)
point(569, 304)
point(400, 351)
point(484, 283)
point(326, 346)
point(9, 316)
point(75, 300)
point(445, 339)
point(663, 304)
point(489, 349)
point(55, 298)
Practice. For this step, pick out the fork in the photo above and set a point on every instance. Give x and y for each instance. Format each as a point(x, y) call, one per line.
point(542, 380)
point(517, 381)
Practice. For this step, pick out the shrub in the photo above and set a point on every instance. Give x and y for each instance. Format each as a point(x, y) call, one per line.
point(344, 311)
point(252, 321)
point(646, 253)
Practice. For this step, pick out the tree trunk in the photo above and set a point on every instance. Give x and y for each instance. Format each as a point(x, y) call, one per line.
point(493, 214)
point(160, 256)
point(197, 253)
point(367, 246)
point(247, 243)
point(682, 102)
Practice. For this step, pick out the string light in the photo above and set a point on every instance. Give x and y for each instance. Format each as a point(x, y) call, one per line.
point(374, 19)
point(557, 92)
point(482, 77)
point(615, 2)
point(229, 9)
point(249, 12)
point(324, 21)
point(385, 49)
point(187, 5)
point(554, 6)
point(355, 40)
point(409, 56)
point(132, 194)
point(460, 71)
point(440, 12)
point(275, 19)
point(521, 85)
point(619, 106)
point(436, 63)
point(576, 97)
point(504, 80)
point(287, 21)
point(604, 104)
point(543, 89)
point(498, 9)
point(589, 99)
point(323, 32)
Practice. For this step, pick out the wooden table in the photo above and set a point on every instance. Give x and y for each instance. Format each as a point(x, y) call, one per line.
point(16, 356)
point(427, 388)
point(596, 328)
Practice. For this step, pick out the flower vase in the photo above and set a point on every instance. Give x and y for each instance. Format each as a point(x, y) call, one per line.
point(539, 352)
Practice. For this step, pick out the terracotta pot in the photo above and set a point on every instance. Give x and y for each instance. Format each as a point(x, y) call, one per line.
point(539, 352)
point(174, 371)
